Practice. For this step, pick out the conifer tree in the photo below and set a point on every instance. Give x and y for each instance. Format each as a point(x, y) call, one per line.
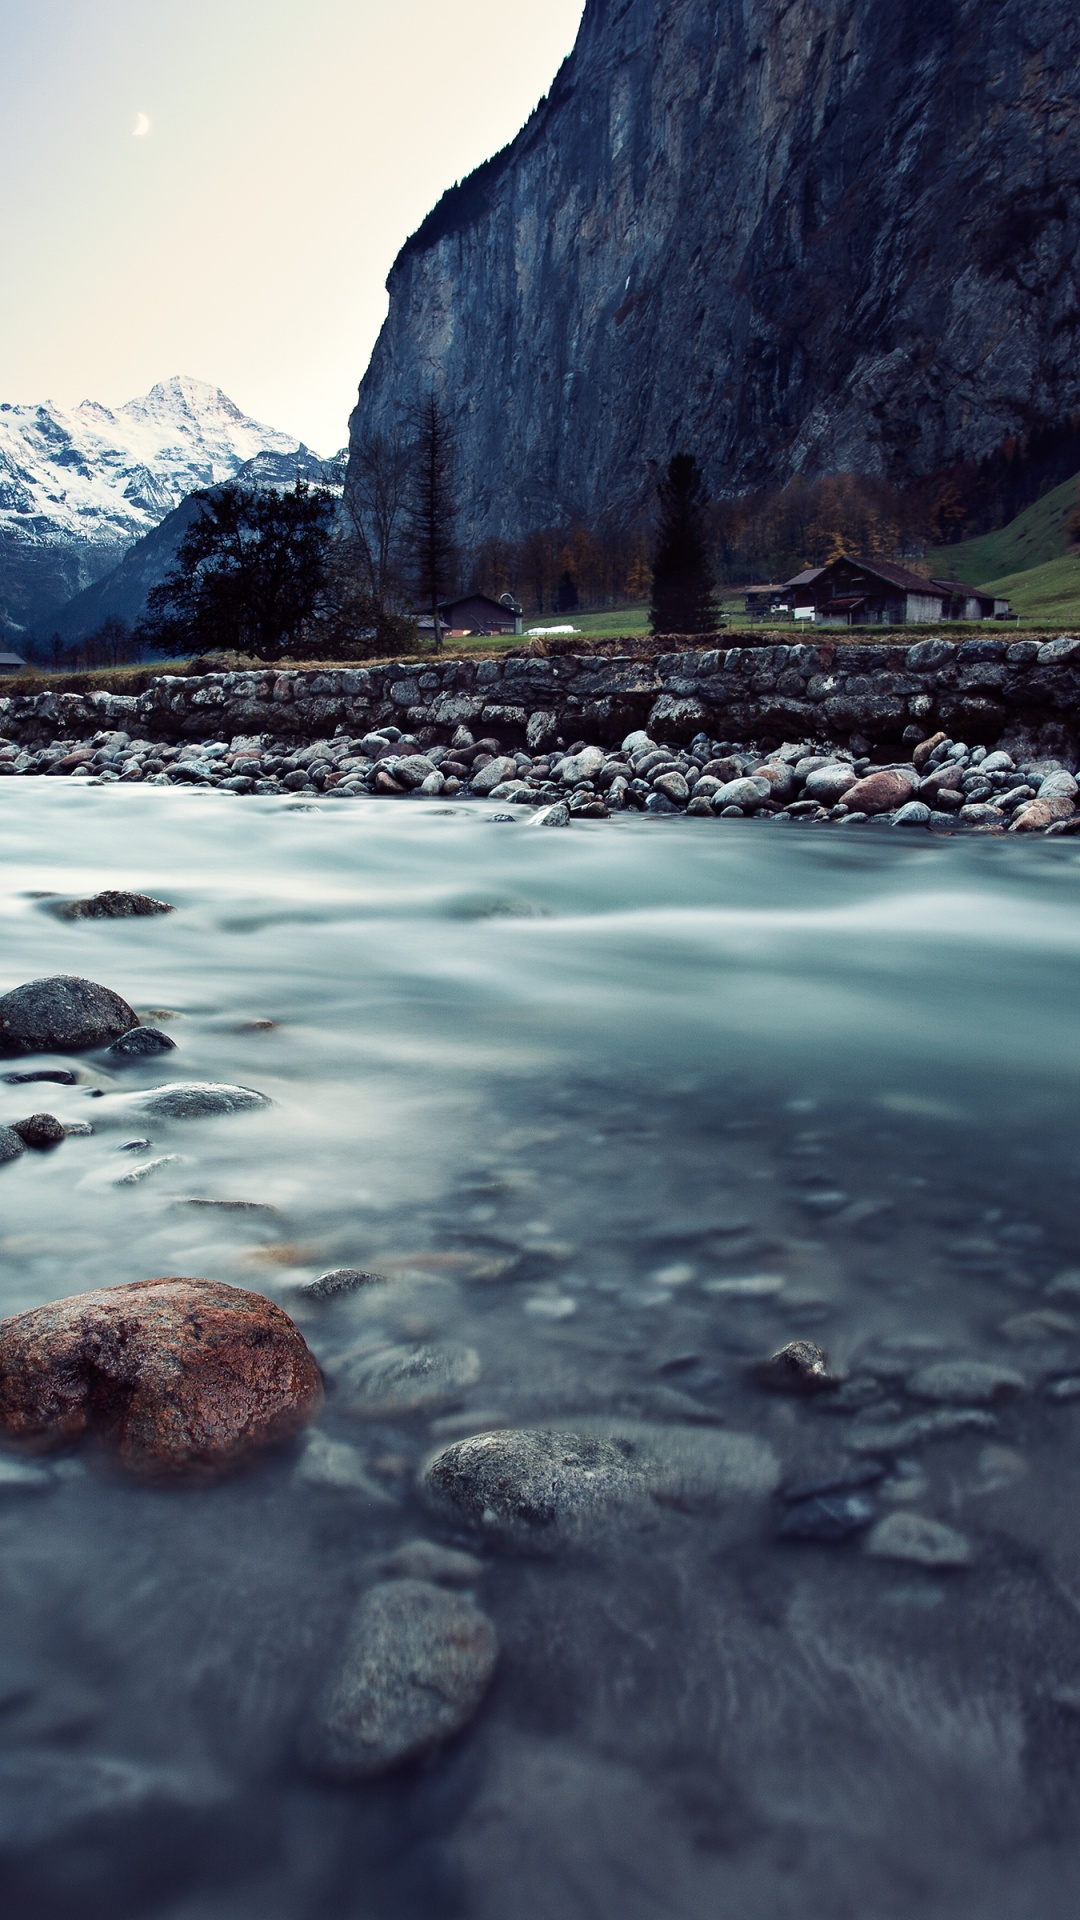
point(432, 513)
point(682, 585)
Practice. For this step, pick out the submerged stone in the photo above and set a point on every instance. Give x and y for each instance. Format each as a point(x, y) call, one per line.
point(112, 905)
point(928, 1543)
point(401, 1380)
point(800, 1367)
point(417, 1663)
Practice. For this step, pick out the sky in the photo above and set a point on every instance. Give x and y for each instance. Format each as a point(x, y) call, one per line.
point(220, 187)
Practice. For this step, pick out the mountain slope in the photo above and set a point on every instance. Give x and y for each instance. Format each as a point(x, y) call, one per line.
point(1037, 535)
point(79, 485)
point(121, 593)
point(830, 235)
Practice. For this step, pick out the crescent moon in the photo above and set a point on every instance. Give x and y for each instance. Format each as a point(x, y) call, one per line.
point(141, 127)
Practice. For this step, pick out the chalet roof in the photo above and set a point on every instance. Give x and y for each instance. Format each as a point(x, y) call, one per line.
point(893, 575)
point(957, 586)
point(12, 660)
point(806, 578)
point(479, 599)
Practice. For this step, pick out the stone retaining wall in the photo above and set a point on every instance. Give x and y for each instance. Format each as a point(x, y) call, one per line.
point(1015, 693)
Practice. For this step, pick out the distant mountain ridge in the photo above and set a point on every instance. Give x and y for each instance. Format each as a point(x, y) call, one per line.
point(79, 485)
point(121, 593)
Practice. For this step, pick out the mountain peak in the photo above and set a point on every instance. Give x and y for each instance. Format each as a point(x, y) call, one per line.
point(87, 482)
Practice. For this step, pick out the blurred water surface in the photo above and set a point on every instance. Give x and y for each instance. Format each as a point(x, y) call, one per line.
point(623, 1107)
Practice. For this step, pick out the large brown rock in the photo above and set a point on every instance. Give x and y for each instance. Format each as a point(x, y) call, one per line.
point(1040, 814)
point(186, 1378)
point(879, 792)
point(62, 1014)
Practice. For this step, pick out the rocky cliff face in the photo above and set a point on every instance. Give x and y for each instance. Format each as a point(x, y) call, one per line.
point(802, 237)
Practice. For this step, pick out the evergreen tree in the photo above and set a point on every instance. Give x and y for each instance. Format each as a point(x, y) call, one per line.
point(567, 599)
point(432, 511)
point(682, 585)
point(247, 575)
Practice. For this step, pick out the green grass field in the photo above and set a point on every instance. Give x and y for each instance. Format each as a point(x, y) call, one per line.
point(1028, 562)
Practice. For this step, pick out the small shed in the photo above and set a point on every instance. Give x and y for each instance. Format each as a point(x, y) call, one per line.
point(479, 613)
point(12, 663)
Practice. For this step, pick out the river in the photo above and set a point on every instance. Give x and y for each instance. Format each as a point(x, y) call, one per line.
point(623, 1108)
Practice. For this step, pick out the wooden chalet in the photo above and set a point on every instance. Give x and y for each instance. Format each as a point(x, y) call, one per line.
point(12, 663)
point(475, 613)
point(851, 592)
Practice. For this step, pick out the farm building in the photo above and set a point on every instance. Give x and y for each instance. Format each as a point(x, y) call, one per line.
point(475, 613)
point(850, 592)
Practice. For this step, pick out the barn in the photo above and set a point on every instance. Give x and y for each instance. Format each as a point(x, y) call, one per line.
point(852, 592)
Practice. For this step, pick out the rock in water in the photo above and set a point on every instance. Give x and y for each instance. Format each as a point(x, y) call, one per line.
point(798, 1368)
point(186, 1378)
point(400, 1380)
point(530, 1487)
point(417, 1663)
point(927, 1543)
point(41, 1130)
point(140, 1042)
point(11, 1144)
point(192, 1100)
point(342, 1280)
point(114, 906)
point(62, 1014)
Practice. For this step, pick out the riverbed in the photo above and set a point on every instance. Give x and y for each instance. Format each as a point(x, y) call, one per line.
point(622, 1109)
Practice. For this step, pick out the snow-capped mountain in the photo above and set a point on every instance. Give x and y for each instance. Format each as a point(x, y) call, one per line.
point(79, 485)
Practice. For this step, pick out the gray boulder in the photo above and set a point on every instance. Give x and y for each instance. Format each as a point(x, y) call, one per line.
point(417, 1663)
point(401, 1380)
point(62, 1014)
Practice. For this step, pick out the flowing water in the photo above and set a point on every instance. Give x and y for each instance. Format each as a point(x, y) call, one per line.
point(623, 1109)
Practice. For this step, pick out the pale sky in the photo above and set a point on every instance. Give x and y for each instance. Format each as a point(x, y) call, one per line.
point(245, 238)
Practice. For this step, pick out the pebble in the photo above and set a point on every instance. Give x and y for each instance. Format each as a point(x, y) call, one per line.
point(340, 1467)
point(1029, 1329)
point(530, 1487)
point(10, 1145)
point(191, 1100)
point(56, 1076)
point(403, 1380)
point(892, 1436)
point(62, 1014)
point(828, 1517)
point(342, 1280)
point(829, 783)
point(185, 1378)
point(143, 1170)
point(972, 1383)
point(417, 1664)
point(113, 906)
point(913, 1537)
point(557, 815)
point(799, 1367)
point(915, 813)
point(879, 792)
point(140, 1042)
point(425, 1560)
point(40, 1130)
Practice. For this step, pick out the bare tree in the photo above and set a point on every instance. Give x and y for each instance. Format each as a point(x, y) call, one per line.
point(376, 495)
point(432, 511)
